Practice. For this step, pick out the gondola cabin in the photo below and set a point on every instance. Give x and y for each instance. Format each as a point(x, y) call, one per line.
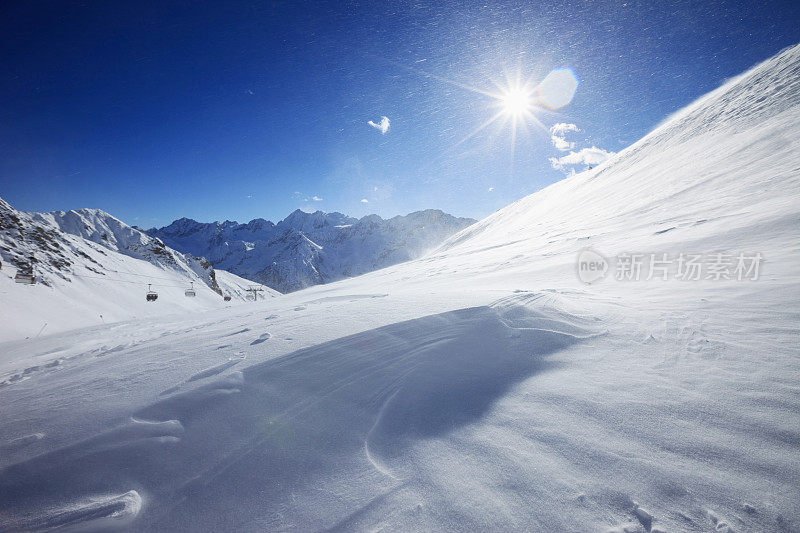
point(152, 295)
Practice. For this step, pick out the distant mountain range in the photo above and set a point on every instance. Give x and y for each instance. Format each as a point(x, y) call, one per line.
point(307, 249)
point(90, 267)
point(67, 244)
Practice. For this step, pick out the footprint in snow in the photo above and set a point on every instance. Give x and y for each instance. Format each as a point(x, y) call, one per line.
point(216, 369)
point(260, 339)
point(245, 330)
point(208, 372)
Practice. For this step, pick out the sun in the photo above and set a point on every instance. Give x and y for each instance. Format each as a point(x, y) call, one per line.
point(515, 102)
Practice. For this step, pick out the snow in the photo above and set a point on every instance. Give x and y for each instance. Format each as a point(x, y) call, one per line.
point(307, 249)
point(94, 269)
point(86, 301)
point(480, 387)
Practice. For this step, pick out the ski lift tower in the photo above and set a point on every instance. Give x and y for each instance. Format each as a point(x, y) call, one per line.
point(254, 292)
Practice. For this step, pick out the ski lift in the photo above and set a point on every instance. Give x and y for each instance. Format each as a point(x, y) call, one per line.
point(25, 273)
point(152, 295)
point(24, 277)
point(189, 293)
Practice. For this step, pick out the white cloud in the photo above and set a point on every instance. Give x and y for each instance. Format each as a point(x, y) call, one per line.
point(364, 201)
point(382, 126)
point(588, 156)
point(316, 198)
point(558, 135)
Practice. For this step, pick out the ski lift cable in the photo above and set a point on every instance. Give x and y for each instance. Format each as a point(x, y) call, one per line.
point(261, 285)
point(126, 281)
point(124, 272)
point(138, 282)
point(134, 274)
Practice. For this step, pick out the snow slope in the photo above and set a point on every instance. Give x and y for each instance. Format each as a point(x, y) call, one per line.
point(481, 387)
point(93, 268)
point(307, 249)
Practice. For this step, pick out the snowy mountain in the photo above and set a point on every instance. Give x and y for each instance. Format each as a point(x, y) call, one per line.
point(307, 249)
point(533, 401)
point(88, 263)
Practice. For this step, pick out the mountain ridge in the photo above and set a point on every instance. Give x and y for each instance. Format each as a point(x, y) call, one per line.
point(311, 248)
point(91, 267)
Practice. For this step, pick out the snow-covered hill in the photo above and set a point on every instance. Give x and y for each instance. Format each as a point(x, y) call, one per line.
point(482, 387)
point(92, 268)
point(307, 249)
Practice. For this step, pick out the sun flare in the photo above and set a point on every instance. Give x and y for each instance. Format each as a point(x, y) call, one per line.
point(516, 102)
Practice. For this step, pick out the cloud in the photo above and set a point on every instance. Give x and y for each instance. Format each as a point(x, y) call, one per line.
point(382, 126)
point(316, 198)
point(558, 135)
point(588, 156)
point(364, 201)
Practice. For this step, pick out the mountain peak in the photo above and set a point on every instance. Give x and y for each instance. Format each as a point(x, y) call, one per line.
point(307, 248)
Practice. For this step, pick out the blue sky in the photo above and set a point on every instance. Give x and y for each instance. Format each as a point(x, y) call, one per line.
point(236, 110)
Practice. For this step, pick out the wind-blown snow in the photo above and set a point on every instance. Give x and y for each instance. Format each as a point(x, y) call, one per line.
point(307, 249)
point(481, 387)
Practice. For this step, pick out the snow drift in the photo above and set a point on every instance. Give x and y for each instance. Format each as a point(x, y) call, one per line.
point(401, 400)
